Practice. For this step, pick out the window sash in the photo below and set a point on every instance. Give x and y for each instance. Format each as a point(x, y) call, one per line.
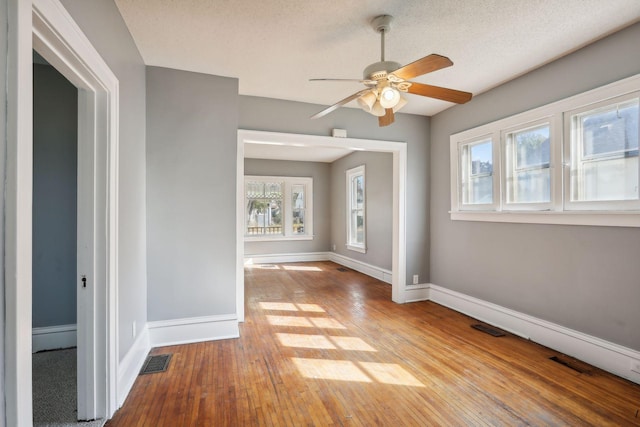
point(356, 209)
point(588, 176)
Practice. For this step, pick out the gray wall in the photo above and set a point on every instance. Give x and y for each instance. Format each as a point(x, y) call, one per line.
point(293, 117)
point(321, 205)
point(584, 278)
point(103, 25)
point(379, 207)
point(192, 122)
point(3, 146)
point(55, 135)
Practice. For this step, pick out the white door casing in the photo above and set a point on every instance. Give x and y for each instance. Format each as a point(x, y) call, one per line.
point(46, 26)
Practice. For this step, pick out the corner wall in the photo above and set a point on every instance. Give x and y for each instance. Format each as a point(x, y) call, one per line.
point(192, 122)
point(583, 278)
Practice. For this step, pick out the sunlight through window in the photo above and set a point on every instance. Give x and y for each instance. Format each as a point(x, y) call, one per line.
point(390, 373)
point(305, 341)
point(351, 343)
point(284, 306)
point(300, 268)
point(315, 308)
point(342, 370)
point(261, 266)
point(326, 323)
point(302, 322)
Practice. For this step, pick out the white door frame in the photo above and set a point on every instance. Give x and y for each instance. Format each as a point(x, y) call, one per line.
point(46, 26)
point(399, 151)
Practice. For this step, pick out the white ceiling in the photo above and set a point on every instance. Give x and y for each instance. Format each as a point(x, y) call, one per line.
point(275, 46)
point(276, 151)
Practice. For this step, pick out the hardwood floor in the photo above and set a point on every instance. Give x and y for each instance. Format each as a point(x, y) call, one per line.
point(321, 347)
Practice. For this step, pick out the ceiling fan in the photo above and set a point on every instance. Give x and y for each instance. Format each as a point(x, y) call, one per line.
point(386, 79)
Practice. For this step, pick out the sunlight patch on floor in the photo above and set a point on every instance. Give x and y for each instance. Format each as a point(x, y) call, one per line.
point(302, 322)
point(305, 341)
point(390, 373)
point(300, 268)
point(289, 306)
point(352, 343)
point(326, 323)
point(342, 370)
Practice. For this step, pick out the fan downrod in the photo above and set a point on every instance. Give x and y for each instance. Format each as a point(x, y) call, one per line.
point(380, 70)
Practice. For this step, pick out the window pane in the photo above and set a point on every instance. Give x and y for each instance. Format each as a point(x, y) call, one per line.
point(477, 173)
point(357, 192)
point(264, 208)
point(298, 208)
point(357, 227)
point(604, 144)
point(528, 178)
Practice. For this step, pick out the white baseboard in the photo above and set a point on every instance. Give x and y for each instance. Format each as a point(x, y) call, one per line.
point(280, 258)
point(53, 337)
point(130, 365)
point(603, 354)
point(362, 267)
point(191, 330)
point(415, 293)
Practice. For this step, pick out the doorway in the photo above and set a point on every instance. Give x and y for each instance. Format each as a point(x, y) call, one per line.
point(45, 26)
point(54, 247)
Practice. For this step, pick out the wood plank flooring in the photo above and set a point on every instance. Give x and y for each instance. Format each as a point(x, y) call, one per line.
point(321, 347)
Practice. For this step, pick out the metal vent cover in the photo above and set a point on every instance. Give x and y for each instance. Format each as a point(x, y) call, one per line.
point(488, 330)
point(155, 364)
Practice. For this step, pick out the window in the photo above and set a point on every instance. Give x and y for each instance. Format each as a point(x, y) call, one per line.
point(571, 162)
point(603, 152)
point(356, 229)
point(527, 155)
point(278, 208)
point(476, 166)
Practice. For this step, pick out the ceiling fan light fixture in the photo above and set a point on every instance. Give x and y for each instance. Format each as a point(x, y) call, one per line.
point(378, 110)
point(367, 100)
point(389, 97)
point(401, 103)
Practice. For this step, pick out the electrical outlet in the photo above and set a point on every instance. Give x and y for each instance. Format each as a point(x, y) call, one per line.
point(416, 280)
point(635, 366)
point(133, 329)
point(334, 248)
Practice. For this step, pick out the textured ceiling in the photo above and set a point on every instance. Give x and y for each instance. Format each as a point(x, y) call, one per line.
point(274, 46)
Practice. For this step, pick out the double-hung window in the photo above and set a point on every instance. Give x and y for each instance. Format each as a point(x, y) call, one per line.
point(356, 226)
point(603, 153)
point(278, 208)
point(477, 174)
point(574, 161)
point(527, 166)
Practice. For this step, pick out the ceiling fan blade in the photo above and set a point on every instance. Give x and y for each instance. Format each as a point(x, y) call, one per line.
point(339, 104)
point(387, 119)
point(422, 66)
point(442, 93)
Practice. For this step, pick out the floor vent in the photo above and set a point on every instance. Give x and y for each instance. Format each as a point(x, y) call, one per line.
point(155, 364)
point(569, 364)
point(342, 269)
point(488, 330)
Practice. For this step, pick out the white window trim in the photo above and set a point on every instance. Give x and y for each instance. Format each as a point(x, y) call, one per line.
point(288, 213)
point(350, 174)
point(558, 213)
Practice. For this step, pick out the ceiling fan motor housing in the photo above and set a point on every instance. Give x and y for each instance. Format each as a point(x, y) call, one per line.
point(380, 70)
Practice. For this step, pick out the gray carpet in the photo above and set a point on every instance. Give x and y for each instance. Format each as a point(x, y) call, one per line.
point(55, 390)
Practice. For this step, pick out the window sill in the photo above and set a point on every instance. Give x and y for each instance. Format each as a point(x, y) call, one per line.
point(360, 249)
point(610, 219)
point(276, 238)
